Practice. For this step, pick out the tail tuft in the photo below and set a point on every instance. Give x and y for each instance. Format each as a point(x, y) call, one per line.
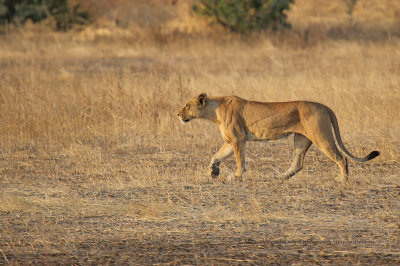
point(372, 155)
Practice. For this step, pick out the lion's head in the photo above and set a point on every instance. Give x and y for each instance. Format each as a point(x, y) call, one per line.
point(193, 108)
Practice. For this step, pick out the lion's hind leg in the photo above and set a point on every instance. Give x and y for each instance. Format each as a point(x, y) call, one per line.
point(301, 145)
point(324, 140)
point(335, 155)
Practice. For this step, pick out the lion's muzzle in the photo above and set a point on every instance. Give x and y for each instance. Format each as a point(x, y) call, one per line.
point(183, 121)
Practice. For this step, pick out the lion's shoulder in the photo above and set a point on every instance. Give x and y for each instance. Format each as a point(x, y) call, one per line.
point(233, 101)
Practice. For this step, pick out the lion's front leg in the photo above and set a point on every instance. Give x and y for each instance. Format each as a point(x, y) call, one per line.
point(225, 151)
point(239, 148)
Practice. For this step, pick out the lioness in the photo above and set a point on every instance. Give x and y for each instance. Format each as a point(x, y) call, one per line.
point(240, 120)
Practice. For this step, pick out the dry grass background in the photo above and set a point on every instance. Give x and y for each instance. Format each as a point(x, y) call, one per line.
point(95, 167)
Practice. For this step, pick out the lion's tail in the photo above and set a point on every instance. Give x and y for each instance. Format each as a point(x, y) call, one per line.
point(335, 125)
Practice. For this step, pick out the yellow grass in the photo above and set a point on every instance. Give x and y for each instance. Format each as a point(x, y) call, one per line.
point(95, 167)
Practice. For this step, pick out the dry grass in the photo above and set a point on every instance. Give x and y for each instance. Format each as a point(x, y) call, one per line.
point(95, 167)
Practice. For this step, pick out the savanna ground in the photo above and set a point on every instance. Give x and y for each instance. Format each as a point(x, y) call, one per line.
point(96, 168)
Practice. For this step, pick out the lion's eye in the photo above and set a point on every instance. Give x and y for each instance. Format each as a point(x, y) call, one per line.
point(187, 106)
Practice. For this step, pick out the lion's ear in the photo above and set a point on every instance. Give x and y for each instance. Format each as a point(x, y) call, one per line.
point(201, 100)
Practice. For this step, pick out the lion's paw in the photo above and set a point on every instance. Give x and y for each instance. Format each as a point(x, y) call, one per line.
point(214, 170)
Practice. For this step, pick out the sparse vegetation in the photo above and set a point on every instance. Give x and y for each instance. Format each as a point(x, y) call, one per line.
point(62, 13)
point(245, 16)
point(350, 4)
point(97, 169)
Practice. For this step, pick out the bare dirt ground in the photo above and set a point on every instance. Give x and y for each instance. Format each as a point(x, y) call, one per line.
point(159, 207)
point(95, 168)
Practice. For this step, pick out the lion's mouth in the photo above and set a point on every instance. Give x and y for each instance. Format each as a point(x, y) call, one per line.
point(184, 121)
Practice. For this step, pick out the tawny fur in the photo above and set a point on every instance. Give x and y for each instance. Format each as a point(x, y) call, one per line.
point(240, 120)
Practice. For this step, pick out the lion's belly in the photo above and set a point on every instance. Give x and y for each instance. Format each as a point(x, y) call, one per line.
point(266, 136)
